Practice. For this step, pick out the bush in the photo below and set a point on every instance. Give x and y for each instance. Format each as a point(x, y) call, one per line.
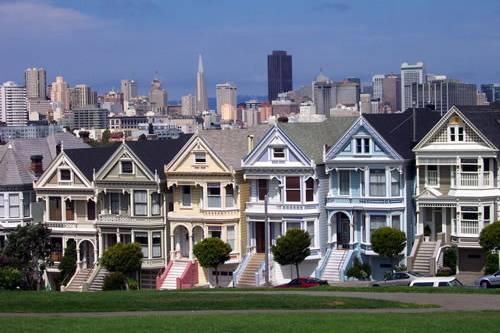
point(10, 278)
point(124, 258)
point(68, 261)
point(491, 265)
point(132, 284)
point(450, 259)
point(114, 281)
point(388, 242)
point(489, 239)
point(292, 248)
point(360, 271)
point(445, 271)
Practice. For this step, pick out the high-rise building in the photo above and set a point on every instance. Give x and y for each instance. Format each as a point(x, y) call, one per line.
point(36, 83)
point(279, 74)
point(82, 95)
point(492, 91)
point(365, 104)
point(88, 117)
point(188, 105)
point(13, 104)
point(323, 94)
point(59, 94)
point(410, 74)
point(378, 86)
point(201, 91)
point(391, 93)
point(481, 98)
point(158, 97)
point(128, 89)
point(226, 101)
point(347, 93)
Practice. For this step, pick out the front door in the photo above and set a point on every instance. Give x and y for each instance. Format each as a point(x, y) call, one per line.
point(343, 231)
point(260, 237)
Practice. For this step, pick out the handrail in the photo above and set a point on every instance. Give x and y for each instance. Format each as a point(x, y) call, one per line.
point(86, 285)
point(433, 267)
point(161, 277)
point(241, 268)
point(438, 256)
point(260, 273)
point(77, 270)
point(346, 259)
point(189, 277)
point(318, 272)
point(414, 251)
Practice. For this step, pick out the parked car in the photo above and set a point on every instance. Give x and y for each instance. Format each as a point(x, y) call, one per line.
point(397, 279)
point(489, 281)
point(303, 283)
point(443, 281)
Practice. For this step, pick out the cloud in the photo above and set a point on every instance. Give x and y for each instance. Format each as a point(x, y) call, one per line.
point(333, 6)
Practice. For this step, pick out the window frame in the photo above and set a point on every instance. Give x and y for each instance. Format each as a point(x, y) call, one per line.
point(59, 178)
point(184, 195)
point(293, 189)
point(360, 144)
point(233, 240)
point(339, 178)
point(132, 169)
point(214, 186)
point(111, 201)
point(438, 179)
point(230, 200)
point(141, 234)
point(11, 206)
point(454, 134)
point(140, 203)
point(156, 203)
point(262, 188)
point(370, 183)
point(399, 177)
point(202, 161)
point(279, 158)
point(153, 234)
point(308, 190)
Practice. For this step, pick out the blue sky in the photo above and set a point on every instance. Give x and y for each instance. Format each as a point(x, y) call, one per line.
point(99, 42)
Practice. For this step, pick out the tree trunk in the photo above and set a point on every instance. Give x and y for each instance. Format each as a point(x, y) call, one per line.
point(297, 268)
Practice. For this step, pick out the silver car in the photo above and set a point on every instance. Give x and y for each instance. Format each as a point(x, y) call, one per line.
point(397, 279)
point(489, 281)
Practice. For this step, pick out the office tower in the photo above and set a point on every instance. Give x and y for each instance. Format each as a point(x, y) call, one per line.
point(391, 93)
point(365, 104)
point(82, 95)
point(87, 117)
point(492, 92)
point(59, 93)
point(279, 74)
point(481, 98)
point(226, 101)
point(35, 82)
point(410, 74)
point(157, 97)
point(347, 93)
point(201, 92)
point(323, 98)
point(13, 104)
point(442, 94)
point(128, 89)
point(188, 105)
point(377, 84)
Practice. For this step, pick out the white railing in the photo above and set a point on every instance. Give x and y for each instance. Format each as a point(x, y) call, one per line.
point(318, 272)
point(282, 206)
point(241, 268)
point(259, 275)
point(469, 227)
point(123, 219)
point(471, 179)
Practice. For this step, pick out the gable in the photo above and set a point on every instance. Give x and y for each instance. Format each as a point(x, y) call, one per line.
point(124, 165)
point(53, 175)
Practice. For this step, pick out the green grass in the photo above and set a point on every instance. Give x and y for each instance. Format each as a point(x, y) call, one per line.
point(456, 322)
point(153, 300)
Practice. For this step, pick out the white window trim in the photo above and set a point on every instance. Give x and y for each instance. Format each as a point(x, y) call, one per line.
point(427, 177)
point(400, 221)
point(363, 152)
point(233, 250)
point(133, 167)
point(119, 202)
point(285, 153)
point(350, 184)
point(301, 191)
point(59, 175)
point(199, 163)
point(456, 127)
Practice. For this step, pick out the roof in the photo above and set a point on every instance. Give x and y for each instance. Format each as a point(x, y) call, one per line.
point(231, 145)
point(486, 119)
point(88, 160)
point(15, 157)
point(311, 137)
point(397, 128)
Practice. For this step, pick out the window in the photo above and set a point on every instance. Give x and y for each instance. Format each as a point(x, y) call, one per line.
point(142, 239)
point(395, 183)
point(344, 182)
point(376, 222)
point(186, 196)
point(64, 175)
point(293, 189)
point(469, 165)
point(156, 244)
point(310, 230)
point(2, 206)
point(229, 196)
point(263, 188)
point(127, 167)
point(115, 203)
point(155, 203)
point(231, 239)
point(213, 195)
point(292, 225)
point(90, 210)
point(200, 158)
point(377, 183)
point(14, 205)
point(214, 231)
point(470, 213)
point(140, 203)
point(362, 145)
point(456, 133)
point(309, 190)
point(278, 153)
point(26, 204)
point(396, 222)
point(55, 213)
point(486, 214)
point(70, 210)
point(432, 176)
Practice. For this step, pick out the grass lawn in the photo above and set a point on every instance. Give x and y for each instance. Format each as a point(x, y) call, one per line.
point(456, 322)
point(18, 301)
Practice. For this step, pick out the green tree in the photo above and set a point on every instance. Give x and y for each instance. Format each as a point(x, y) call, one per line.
point(489, 239)
point(388, 242)
point(212, 252)
point(124, 258)
point(29, 248)
point(105, 137)
point(292, 248)
point(68, 261)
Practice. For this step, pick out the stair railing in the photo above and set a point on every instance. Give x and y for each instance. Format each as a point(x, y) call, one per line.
point(318, 272)
point(86, 285)
point(189, 277)
point(435, 255)
point(163, 275)
point(259, 275)
point(346, 260)
point(414, 250)
point(240, 269)
point(63, 288)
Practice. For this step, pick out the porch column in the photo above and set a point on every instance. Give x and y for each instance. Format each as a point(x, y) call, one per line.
point(190, 236)
point(95, 253)
point(480, 168)
point(78, 261)
point(351, 230)
point(420, 226)
point(329, 236)
point(63, 209)
point(46, 213)
point(172, 247)
point(367, 228)
point(101, 244)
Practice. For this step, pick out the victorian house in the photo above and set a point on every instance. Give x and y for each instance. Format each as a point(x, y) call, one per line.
point(457, 187)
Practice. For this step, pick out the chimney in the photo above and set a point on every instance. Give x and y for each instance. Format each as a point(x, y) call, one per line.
point(37, 165)
point(250, 143)
point(58, 148)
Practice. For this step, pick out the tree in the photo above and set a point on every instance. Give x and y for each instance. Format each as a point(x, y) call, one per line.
point(388, 242)
point(124, 258)
point(105, 137)
point(292, 248)
point(68, 261)
point(212, 252)
point(29, 248)
point(489, 239)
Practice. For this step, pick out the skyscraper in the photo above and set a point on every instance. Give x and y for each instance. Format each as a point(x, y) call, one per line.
point(35, 82)
point(279, 74)
point(391, 93)
point(323, 97)
point(81, 96)
point(59, 94)
point(188, 103)
point(410, 74)
point(128, 89)
point(13, 104)
point(377, 84)
point(226, 101)
point(157, 97)
point(201, 92)
point(492, 92)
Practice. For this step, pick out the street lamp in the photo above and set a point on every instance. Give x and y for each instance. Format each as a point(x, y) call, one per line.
point(266, 238)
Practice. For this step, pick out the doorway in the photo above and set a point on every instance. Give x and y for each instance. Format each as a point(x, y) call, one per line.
point(260, 237)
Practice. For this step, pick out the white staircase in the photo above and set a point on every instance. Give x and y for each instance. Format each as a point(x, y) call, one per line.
point(178, 267)
point(247, 278)
point(79, 278)
point(422, 263)
point(331, 272)
point(98, 282)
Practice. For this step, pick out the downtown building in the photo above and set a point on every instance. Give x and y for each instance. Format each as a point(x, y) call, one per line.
point(226, 101)
point(13, 104)
point(279, 74)
point(410, 74)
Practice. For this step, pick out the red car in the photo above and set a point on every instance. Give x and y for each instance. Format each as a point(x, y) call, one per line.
point(303, 283)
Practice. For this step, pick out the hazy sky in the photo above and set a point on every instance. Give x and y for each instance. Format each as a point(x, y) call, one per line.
point(99, 42)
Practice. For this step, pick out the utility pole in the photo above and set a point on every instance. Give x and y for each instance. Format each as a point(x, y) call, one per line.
point(266, 237)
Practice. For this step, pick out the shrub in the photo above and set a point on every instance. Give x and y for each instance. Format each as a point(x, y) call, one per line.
point(10, 278)
point(114, 281)
point(124, 258)
point(68, 261)
point(212, 252)
point(491, 265)
point(450, 259)
point(388, 242)
point(489, 238)
point(359, 270)
point(292, 248)
point(445, 271)
point(132, 284)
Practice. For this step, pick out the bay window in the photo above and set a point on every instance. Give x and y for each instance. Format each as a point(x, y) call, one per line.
point(229, 196)
point(155, 203)
point(14, 210)
point(156, 244)
point(377, 222)
point(395, 183)
point(140, 203)
point(309, 185)
point(377, 183)
point(344, 182)
point(231, 236)
point(142, 239)
point(186, 196)
point(292, 189)
point(213, 195)
point(263, 188)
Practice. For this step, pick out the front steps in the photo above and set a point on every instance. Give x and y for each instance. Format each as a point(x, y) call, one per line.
point(423, 258)
point(331, 272)
point(79, 278)
point(98, 282)
point(247, 278)
point(178, 267)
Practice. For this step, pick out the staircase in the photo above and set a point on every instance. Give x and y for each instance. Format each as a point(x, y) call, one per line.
point(247, 279)
point(178, 267)
point(98, 282)
point(333, 266)
point(423, 258)
point(76, 283)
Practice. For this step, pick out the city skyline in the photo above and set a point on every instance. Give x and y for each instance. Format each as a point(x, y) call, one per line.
point(360, 49)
